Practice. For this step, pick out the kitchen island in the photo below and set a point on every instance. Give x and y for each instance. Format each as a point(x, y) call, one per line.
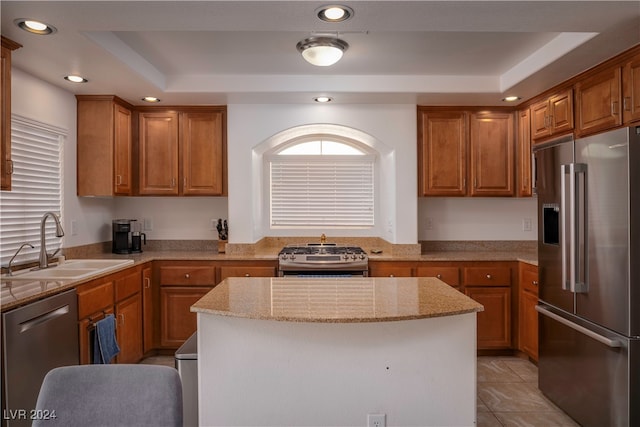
point(333, 351)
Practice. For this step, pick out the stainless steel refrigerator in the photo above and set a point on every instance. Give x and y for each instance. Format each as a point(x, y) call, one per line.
point(589, 264)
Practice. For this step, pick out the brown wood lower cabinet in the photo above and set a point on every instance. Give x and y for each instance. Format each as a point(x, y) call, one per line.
point(488, 283)
point(128, 310)
point(129, 329)
point(181, 284)
point(494, 323)
point(119, 294)
point(178, 322)
point(528, 300)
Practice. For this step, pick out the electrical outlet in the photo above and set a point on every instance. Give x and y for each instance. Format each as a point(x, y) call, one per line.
point(148, 224)
point(526, 224)
point(214, 224)
point(376, 420)
point(429, 224)
point(74, 227)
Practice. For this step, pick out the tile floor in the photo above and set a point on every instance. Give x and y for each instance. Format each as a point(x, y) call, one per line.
point(508, 394)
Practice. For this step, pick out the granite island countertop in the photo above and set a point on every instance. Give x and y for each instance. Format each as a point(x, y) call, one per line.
point(339, 300)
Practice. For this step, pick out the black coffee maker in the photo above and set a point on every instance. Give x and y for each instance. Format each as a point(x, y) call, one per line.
point(127, 238)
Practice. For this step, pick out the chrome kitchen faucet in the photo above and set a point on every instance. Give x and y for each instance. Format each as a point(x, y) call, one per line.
point(44, 259)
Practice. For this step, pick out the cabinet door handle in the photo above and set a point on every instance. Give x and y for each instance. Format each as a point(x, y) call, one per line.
point(147, 282)
point(535, 283)
point(439, 276)
point(118, 179)
point(489, 276)
point(186, 276)
point(121, 317)
point(626, 103)
point(614, 108)
point(9, 167)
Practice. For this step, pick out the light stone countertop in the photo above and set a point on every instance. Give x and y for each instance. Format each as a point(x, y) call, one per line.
point(16, 293)
point(340, 300)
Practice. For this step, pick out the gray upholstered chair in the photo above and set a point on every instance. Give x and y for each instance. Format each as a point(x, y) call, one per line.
point(111, 395)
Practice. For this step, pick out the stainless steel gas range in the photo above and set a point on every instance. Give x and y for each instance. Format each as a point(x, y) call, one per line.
point(323, 260)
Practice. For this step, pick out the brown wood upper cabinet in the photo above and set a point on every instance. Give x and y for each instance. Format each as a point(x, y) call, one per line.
point(183, 152)
point(609, 98)
point(552, 116)
point(442, 153)
point(104, 147)
point(523, 154)
point(465, 153)
point(598, 100)
point(492, 146)
point(631, 91)
point(6, 165)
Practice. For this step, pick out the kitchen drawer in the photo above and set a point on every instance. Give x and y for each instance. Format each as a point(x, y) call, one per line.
point(94, 297)
point(246, 271)
point(390, 269)
point(129, 284)
point(449, 275)
point(529, 279)
point(487, 276)
point(187, 275)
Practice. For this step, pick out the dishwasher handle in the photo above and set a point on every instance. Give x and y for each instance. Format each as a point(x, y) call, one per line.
point(43, 318)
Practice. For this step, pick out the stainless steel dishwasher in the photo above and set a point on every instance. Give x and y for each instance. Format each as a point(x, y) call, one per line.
point(35, 339)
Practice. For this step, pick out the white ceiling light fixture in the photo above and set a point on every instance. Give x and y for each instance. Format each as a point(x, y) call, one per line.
point(73, 78)
point(151, 99)
point(322, 51)
point(512, 98)
point(323, 99)
point(334, 13)
point(35, 27)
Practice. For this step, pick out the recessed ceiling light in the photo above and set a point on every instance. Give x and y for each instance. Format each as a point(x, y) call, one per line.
point(322, 51)
point(75, 79)
point(323, 99)
point(35, 27)
point(151, 99)
point(511, 98)
point(334, 13)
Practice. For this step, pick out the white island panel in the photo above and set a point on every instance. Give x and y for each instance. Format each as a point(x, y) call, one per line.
point(256, 372)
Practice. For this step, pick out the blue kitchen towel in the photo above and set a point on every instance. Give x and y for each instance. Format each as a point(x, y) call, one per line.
point(105, 346)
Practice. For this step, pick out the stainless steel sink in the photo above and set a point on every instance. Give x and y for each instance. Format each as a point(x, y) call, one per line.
point(71, 270)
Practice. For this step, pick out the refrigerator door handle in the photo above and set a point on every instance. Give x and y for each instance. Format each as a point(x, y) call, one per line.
point(573, 229)
point(580, 281)
point(601, 339)
point(565, 239)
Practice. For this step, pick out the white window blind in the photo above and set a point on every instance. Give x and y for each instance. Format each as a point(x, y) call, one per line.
point(36, 188)
point(321, 191)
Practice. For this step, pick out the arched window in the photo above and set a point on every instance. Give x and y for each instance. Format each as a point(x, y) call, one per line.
point(321, 182)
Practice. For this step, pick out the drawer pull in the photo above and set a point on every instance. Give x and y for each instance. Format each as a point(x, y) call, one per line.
point(391, 275)
point(535, 283)
point(439, 276)
point(489, 276)
point(247, 275)
point(147, 282)
point(187, 276)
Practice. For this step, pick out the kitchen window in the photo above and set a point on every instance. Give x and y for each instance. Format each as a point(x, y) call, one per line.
point(321, 182)
point(36, 151)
